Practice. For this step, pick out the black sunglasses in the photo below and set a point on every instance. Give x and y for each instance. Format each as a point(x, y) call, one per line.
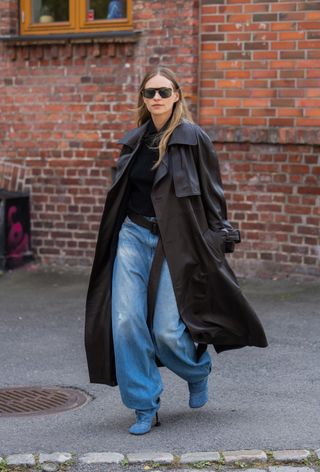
point(164, 92)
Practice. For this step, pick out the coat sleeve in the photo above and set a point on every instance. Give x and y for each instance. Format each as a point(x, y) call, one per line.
point(211, 185)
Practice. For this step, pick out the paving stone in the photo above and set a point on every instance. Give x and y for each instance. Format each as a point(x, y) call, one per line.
point(199, 456)
point(101, 457)
point(59, 457)
point(291, 455)
point(288, 468)
point(160, 457)
point(252, 469)
point(244, 456)
point(50, 467)
point(21, 459)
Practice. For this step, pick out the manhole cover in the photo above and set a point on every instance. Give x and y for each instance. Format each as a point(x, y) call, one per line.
point(22, 401)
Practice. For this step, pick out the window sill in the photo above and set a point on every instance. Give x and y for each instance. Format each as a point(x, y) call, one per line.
point(73, 38)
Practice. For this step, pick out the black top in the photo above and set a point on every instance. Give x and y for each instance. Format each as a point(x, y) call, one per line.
point(141, 176)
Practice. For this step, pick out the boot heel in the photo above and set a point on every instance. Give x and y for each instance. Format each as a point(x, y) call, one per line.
point(144, 420)
point(157, 420)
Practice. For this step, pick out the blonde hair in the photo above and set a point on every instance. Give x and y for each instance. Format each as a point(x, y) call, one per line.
point(180, 110)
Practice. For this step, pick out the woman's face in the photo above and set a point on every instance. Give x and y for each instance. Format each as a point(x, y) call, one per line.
point(160, 108)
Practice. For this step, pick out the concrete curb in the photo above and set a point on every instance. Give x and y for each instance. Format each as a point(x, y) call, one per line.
point(301, 460)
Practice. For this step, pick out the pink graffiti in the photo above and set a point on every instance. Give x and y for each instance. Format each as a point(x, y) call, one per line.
point(18, 240)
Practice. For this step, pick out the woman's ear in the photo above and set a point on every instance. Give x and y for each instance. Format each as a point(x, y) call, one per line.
point(176, 96)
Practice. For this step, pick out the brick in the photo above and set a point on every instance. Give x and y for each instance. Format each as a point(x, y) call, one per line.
point(309, 190)
point(281, 122)
point(283, 64)
point(313, 35)
point(237, 112)
point(303, 210)
point(238, 18)
point(241, 55)
point(230, 8)
point(256, 8)
point(283, 26)
point(256, 45)
point(229, 83)
point(281, 45)
point(235, 46)
point(309, 6)
point(312, 16)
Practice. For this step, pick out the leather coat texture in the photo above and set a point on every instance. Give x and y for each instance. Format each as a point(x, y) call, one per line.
point(190, 207)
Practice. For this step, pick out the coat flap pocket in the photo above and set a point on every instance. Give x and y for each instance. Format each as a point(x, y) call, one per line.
point(185, 175)
point(186, 190)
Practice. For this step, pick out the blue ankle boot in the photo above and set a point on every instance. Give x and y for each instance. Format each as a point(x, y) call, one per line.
point(198, 393)
point(143, 422)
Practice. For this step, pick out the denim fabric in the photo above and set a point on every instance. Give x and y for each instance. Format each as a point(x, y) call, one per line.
point(135, 348)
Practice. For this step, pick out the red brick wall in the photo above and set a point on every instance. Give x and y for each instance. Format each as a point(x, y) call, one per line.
point(260, 102)
point(260, 64)
point(255, 88)
point(272, 193)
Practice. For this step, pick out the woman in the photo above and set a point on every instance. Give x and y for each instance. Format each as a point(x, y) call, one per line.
point(161, 289)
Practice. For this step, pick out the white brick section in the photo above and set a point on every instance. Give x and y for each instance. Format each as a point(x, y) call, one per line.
point(245, 456)
point(101, 458)
point(199, 456)
point(291, 455)
point(160, 457)
point(59, 457)
point(21, 459)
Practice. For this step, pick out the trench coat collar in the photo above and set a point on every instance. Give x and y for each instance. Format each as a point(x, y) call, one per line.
point(184, 133)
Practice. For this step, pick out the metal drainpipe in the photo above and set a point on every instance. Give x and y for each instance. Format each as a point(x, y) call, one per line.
point(199, 62)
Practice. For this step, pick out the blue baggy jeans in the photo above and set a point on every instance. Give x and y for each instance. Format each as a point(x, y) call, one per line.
point(135, 347)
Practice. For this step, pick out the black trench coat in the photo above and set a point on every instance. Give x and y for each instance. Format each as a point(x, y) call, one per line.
point(190, 207)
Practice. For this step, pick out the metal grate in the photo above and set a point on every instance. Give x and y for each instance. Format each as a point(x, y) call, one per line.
point(23, 401)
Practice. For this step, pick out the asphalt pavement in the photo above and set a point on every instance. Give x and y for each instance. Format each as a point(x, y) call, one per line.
point(259, 398)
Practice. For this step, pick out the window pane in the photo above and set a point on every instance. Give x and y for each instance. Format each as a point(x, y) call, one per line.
point(48, 11)
point(106, 9)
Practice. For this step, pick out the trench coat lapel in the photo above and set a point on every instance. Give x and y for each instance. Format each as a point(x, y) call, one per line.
point(162, 170)
point(179, 136)
point(131, 139)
